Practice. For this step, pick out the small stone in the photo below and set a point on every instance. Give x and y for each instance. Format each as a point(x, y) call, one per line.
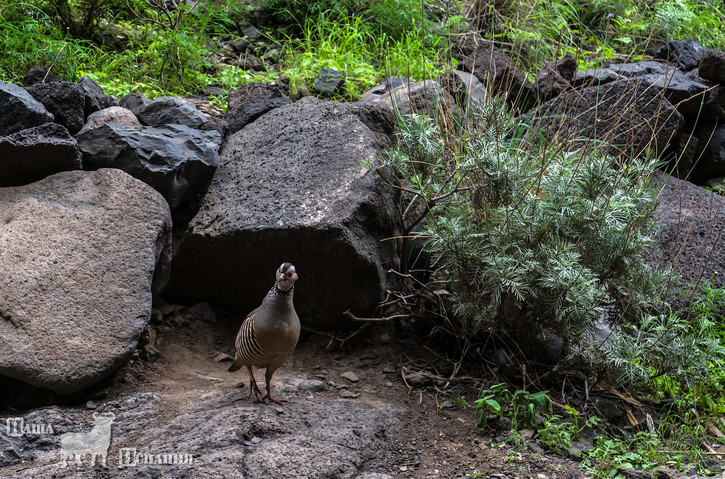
point(223, 357)
point(389, 370)
point(248, 443)
point(239, 385)
point(527, 433)
point(91, 405)
point(203, 311)
point(344, 393)
point(461, 420)
point(350, 376)
point(279, 410)
point(446, 404)
point(403, 468)
point(256, 440)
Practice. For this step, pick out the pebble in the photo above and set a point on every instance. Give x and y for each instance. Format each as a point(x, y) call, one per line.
point(389, 370)
point(256, 440)
point(350, 376)
point(91, 405)
point(344, 393)
point(223, 357)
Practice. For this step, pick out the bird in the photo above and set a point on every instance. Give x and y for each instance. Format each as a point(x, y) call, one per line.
point(269, 334)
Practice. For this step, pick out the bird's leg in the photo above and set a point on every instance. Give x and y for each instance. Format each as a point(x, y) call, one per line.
point(253, 385)
point(268, 397)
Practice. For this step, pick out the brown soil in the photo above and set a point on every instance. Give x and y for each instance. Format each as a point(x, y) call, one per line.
point(429, 442)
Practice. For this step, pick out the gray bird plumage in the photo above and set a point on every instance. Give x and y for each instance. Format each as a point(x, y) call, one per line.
point(269, 334)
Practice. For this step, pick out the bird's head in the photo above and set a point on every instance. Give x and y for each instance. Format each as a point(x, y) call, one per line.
point(286, 277)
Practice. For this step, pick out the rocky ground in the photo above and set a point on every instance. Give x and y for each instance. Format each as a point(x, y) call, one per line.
point(349, 414)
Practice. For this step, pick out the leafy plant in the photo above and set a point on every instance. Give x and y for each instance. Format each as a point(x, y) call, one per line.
point(522, 406)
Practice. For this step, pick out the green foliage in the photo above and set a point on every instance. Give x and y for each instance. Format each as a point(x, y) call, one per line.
point(349, 45)
point(609, 456)
point(526, 237)
point(557, 435)
point(521, 406)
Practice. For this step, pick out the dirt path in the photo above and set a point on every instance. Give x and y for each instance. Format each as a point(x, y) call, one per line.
point(374, 427)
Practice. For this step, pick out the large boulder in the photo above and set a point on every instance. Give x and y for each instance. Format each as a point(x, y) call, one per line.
point(94, 98)
point(34, 153)
point(496, 70)
point(422, 98)
point(290, 187)
point(630, 115)
point(170, 110)
point(711, 151)
point(117, 115)
point(64, 100)
point(81, 254)
point(176, 160)
point(556, 76)
point(683, 53)
point(251, 101)
point(690, 236)
point(221, 436)
point(19, 110)
point(712, 66)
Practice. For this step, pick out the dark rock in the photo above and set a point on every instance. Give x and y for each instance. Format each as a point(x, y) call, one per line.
point(576, 450)
point(19, 110)
point(496, 71)
point(249, 30)
point(240, 46)
point(102, 242)
point(712, 66)
point(34, 153)
point(595, 77)
point(211, 91)
point(115, 114)
point(685, 93)
point(683, 53)
point(628, 114)
point(710, 155)
point(134, 102)
point(290, 188)
point(64, 100)
point(556, 76)
point(170, 110)
point(329, 82)
point(251, 101)
point(692, 222)
point(39, 74)
point(95, 99)
point(634, 474)
point(203, 311)
point(714, 108)
point(176, 160)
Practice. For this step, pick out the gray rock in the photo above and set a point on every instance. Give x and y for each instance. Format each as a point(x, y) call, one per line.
point(683, 53)
point(39, 74)
point(94, 97)
point(385, 86)
point(692, 222)
point(249, 30)
point(556, 76)
point(170, 110)
point(225, 437)
point(463, 87)
point(373, 475)
point(630, 115)
point(249, 102)
point(64, 100)
point(34, 153)
point(19, 110)
point(290, 188)
point(684, 92)
point(329, 82)
point(176, 160)
point(595, 77)
point(420, 97)
point(712, 66)
point(496, 71)
point(644, 67)
point(82, 253)
point(350, 376)
point(115, 114)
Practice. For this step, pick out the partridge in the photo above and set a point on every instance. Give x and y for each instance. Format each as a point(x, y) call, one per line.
point(269, 334)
